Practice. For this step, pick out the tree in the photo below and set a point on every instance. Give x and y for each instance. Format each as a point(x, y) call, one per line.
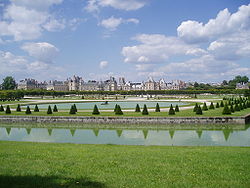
point(217, 105)
point(199, 110)
point(1, 109)
point(211, 106)
point(232, 108)
point(137, 108)
point(36, 109)
point(224, 83)
point(75, 107)
point(28, 110)
point(204, 107)
point(221, 104)
point(145, 110)
point(8, 111)
point(95, 110)
point(118, 110)
point(177, 108)
point(236, 108)
point(55, 109)
point(18, 108)
point(115, 107)
point(226, 110)
point(9, 83)
point(49, 111)
point(157, 108)
point(171, 110)
point(72, 110)
point(195, 107)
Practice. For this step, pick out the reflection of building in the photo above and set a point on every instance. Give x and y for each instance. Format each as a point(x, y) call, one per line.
point(242, 86)
point(58, 85)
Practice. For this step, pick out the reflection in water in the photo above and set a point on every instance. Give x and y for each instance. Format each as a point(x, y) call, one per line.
point(224, 137)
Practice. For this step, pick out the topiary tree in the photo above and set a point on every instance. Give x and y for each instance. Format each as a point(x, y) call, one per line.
point(211, 106)
point(1, 109)
point(72, 110)
point(241, 106)
point(248, 104)
point(55, 109)
point(217, 105)
point(49, 111)
point(157, 108)
point(115, 107)
point(18, 108)
point(244, 105)
point(8, 111)
point(204, 107)
point(28, 111)
point(232, 108)
point(177, 108)
point(236, 108)
point(137, 108)
point(118, 110)
point(36, 109)
point(199, 110)
point(226, 110)
point(145, 110)
point(195, 107)
point(75, 107)
point(221, 104)
point(95, 110)
point(171, 110)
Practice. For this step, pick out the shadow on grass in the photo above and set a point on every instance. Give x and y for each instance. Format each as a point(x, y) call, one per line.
point(47, 182)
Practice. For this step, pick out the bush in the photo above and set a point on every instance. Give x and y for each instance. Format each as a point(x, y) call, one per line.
point(244, 105)
point(28, 111)
point(221, 104)
point(232, 108)
point(217, 105)
point(145, 110)
point(195, 107)
point(177, 108)
point(1, 109)
point(18, 108)
point(118, 110)
point(49, 111)
point(55, 109)
point(236, 108)
point(248, 104)
point(137, 108)
point(8, 111)
point(211, 106)
point(157, 108)
point(199, 110)
point(72, 110)
point(241, 106)
point(171, 110)
point(75, 107)
point(226, 110)
point(115, 107)
point(204, 107)
point(95, 110)
point(36, 109)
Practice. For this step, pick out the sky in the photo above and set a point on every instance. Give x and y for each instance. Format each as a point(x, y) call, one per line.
point(194, 40)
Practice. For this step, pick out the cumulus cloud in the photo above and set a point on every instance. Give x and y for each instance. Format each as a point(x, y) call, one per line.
point(103, 64)
point(112, 23)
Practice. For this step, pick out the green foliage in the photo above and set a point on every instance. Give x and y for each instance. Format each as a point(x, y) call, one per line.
point(211, 106)
point(241, 106)
point(28, 111)
point(226, 110)
point(9, 83)
point(217, 105)
point(49, 111)
point(1, 108)
point(75, 107)
point(115, 107)
point(232, 109)
point(221, 104)
point(199, 110)
point(36, 109)
point(204, 107)
point(118, 110)
point(177, 108)
point(171, 110)
point(244, 105)
point(95, 110)
point(55, 109)
point(157, 108)
point(72, 110)
point(195, 107)
point(137, 108)
point(8, 111)
point(18, 108)
point(145, 110)
point(248, 104)
point(236, 108)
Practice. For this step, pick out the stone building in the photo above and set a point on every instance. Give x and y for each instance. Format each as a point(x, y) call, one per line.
point(242, 86)
point(91, 85)
point(27, 83)
point(58, 85)
point(75, 83)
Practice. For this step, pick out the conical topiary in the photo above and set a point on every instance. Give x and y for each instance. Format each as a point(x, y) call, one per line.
point(95, 110)
point(72, 110)
point(241, 106)
point(55, 109)
point(1, 109)
point(226, 110)
point(137, 108)
point(49, 111)
point(211, 106)
point(18, 108)
point(157, 108)
point(221, 104)
point(115, 107)
point(75, 107)
point(204, 107)
point(199, 110)
point(171, 110)
point(195, 107)
point(236, 108)
point(28, 111)
point(118, 110)
point(36, 109)
point(217, 105)
point(8, 111)
point(232, 108)
point(244, 105)
point(145, 110)
point(177, 108)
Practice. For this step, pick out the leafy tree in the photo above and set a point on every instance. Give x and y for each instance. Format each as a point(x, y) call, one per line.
point(226, 110)
point(9, 83)
point(55, 109)
point(95, 110)
point(18, 108)
point(118, 110)
point(199, 110)
point(36, 109)
point(211, 106)
point(1, 109)
point(195, 107)
point(217, 105)
point(49, 111)
point(177, 108)
point(171, 110)
point(28, 111)
point(137, 108)
point(221, 104)
point(157, 108)
point(145, 110)
point(72, 110)
point(8, 111)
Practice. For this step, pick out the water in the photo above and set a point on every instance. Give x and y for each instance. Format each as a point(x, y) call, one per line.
point(226, 137)
point(110, 105)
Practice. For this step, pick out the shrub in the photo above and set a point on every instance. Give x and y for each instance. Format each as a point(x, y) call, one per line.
point(118, 110)
point(244, 105)
point(145, 110)
point(1, 109)
point(199, 110)
point(236, 108)
point(157, 108)
point(248, 104)
point(55, 109)
point(8, 111)
point(18, 108)
point(171, 110)
point(232, 108)
point(195, 107)
point(72, 110)
point(49, 111)
point(221, 104)
point(36, 109)
point(95, 110)
point(137, 108)
point(226, 110)
point(204, 107)
point(28, 111)
point(75, 107)
point(115, 107)
point(241, 106)
point(177, 108)
point(217, 105)
point(211, 106)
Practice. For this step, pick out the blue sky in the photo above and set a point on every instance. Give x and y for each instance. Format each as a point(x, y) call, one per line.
point(194, 40)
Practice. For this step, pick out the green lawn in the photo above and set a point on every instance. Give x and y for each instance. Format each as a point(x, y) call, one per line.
point(30, 165)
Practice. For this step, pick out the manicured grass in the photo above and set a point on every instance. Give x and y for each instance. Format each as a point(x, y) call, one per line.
point(71, 165)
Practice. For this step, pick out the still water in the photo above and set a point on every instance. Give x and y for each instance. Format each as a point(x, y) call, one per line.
point(225, 137)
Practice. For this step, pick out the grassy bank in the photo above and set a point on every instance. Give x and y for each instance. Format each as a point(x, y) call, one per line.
point(71, 165)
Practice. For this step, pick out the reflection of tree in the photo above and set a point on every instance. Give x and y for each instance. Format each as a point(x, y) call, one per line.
point(96, 132)
point(119, 132)
point(171, 133)
point(226, 133)
point(145, 133)
point(199, 133)
point(8, 130)
point(50, 131)
point(28, 130)
point(72, 131)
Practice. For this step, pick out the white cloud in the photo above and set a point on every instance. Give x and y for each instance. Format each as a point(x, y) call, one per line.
point(103, 64)
point(112, 23)
point(144, 67)
point(42, 51)
point(54, 25)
